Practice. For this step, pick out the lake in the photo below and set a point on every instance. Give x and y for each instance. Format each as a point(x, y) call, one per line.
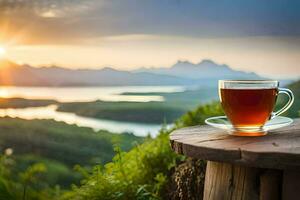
point(73, 94)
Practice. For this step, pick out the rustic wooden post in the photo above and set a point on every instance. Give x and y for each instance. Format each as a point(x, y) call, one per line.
point(262, 168)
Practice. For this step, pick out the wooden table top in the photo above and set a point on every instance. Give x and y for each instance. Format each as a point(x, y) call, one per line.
point(279, 149)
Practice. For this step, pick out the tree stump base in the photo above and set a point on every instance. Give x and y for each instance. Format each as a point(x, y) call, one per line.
point(228, 181)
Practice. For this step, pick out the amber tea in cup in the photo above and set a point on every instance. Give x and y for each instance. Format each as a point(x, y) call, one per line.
point(249, 104)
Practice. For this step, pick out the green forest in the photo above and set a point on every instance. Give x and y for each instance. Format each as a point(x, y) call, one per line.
point(44, 159)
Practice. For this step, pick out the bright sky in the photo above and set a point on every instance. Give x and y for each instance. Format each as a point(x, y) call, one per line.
point(2, 52)
point(250, 35)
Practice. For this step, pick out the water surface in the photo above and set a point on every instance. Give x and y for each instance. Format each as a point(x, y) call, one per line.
point(49, 112)
point(75, 94)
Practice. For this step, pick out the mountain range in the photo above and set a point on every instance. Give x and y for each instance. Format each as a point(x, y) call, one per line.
point(181, 73)
point(206, 69)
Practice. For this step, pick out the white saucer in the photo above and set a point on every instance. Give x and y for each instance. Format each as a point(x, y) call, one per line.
point(222, 122)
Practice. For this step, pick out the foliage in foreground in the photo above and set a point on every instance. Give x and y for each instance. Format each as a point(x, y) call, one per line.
point(142, 173)
point(295, 109)
point(199, 115)
point(139, 174)
point(25, 184)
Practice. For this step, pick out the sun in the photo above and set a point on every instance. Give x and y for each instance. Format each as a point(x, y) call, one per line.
point(2, 51)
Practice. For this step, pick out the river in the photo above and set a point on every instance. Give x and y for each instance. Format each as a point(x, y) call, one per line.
point(68, 94)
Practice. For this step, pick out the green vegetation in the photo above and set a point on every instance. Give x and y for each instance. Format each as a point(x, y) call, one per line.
point(293, 112)
point(23, 184)
point(295, 109)
point(139, 174)
point(142, 173)
point(199, 115)
point(148, 112)
point(59, 146)
point(23, 103)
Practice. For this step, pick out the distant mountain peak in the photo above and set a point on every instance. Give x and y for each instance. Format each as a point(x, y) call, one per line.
point(202, 64)
point(182, 64)
point(207, 62)
point(108, 69)
point(210, 63)
point(54, 67)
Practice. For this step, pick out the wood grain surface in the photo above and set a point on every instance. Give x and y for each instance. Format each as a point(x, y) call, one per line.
point(279, 149)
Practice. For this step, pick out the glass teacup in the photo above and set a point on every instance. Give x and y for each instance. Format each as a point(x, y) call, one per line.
point(249, 104)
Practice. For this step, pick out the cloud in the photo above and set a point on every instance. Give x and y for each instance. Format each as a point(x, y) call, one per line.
point(76, 21)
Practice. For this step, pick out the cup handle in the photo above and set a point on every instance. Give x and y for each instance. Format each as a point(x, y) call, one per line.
point(289, 93)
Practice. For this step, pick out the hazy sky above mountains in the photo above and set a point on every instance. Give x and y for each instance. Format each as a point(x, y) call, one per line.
point(252, 35)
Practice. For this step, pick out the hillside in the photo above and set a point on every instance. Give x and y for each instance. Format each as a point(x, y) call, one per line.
point(182, 73)
point(59, 146)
